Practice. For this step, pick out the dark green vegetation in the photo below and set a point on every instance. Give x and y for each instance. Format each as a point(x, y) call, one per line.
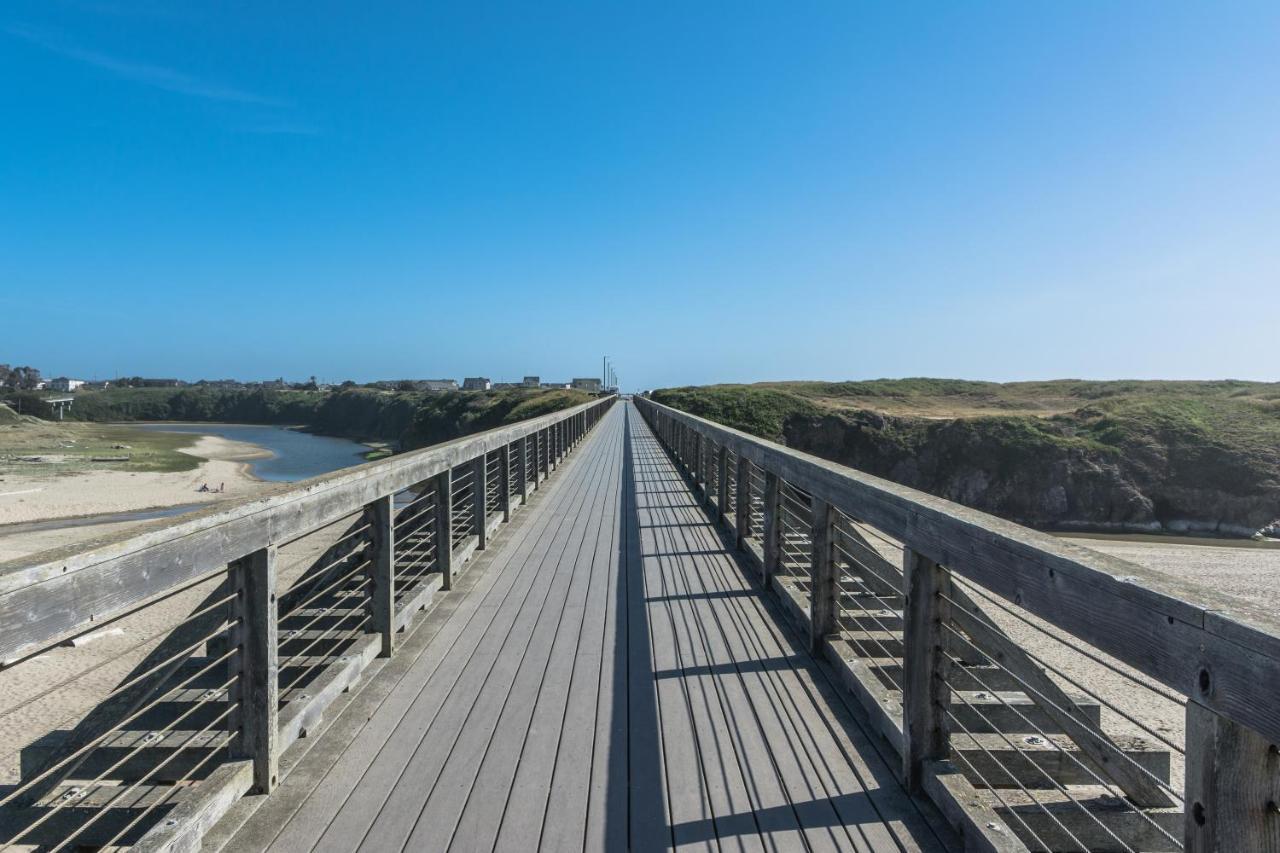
point(408, 420)
point(1107, 455)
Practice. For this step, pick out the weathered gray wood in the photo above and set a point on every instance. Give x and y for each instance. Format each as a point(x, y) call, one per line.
point(772, 526)
point(257, 690)
point(1059, 706)
point(823, 606)
point(742, 504)
point(522, 453)
point(199, 809)
point(533, 722)
point(1232, 787)
point(504, 478)
point(380, 516)
point(981, 828)
point(480, 500)
point(1167, 629)
point(722, 481)
point(925, 694)
point(444, 527)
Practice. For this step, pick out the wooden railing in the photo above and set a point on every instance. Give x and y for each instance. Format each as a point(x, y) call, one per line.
point(1044, 695)
point(151, 681)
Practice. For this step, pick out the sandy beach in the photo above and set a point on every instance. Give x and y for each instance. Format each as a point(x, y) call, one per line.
point(39, 495)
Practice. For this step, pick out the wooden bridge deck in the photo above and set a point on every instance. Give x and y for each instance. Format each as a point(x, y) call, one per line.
point(605, 676)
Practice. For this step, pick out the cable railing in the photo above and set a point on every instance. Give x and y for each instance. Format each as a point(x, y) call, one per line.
point(148, 683)
point(1047, 697)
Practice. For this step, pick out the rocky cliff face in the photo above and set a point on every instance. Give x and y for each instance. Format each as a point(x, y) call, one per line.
point(1051, 472)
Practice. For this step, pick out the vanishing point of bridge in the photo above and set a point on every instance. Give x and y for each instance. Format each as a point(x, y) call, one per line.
point(624, 627)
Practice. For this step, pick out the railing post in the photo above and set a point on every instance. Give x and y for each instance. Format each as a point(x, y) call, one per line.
point(698, 481)
point(742, 503)
point(1232, 783)
point(480, 500)
point(925, 695)
point(822, 576)
point(537, 458)
point(722, 481)
point(524, 470)
point(444, 526)
point(380, 517)
point(256, 690)
point(707, 461)
point(504, 475)
point(772, 528)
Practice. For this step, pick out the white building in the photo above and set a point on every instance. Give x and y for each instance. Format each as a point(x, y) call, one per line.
point(62, 383)
point(476, 383)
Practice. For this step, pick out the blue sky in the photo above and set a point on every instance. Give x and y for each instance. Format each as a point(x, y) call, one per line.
point(705, 191)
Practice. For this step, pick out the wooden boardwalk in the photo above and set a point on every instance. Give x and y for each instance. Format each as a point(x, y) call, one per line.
point(606, 676)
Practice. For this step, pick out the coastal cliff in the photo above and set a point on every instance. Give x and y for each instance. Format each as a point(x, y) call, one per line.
point(1150, 457)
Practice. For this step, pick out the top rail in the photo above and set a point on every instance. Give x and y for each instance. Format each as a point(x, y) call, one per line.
point(1222, 652)
point(54, 595)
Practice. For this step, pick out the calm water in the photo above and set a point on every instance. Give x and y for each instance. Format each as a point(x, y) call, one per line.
point(296, 455)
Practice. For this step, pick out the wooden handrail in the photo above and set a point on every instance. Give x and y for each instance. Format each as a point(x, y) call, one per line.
point(1221, 653)
point(53, 595)
point(1165, 629)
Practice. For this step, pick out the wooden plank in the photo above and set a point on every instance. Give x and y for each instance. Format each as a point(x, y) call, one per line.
point(557, 791)
point(508, 802)
point(608, 795)
point(198, 810)
point(646, 783)
point(387, 801)
point(467, 798)
point(1089, 737)
point(480, 500)
point(455, 624)
point(751, 805)
point(733, 809)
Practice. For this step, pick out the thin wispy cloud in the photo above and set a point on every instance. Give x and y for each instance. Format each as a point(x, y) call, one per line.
point(155, 76)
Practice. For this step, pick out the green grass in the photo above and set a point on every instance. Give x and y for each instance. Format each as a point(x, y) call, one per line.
point(1229, 417)
point(68, 448)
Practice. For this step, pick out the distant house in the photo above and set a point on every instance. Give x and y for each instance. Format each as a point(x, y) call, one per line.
point(557, 385)
point(476, 383)
point(591, 385)
point(439, 385)
point(504, 386)
point(531, 381)
point(62, 383)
